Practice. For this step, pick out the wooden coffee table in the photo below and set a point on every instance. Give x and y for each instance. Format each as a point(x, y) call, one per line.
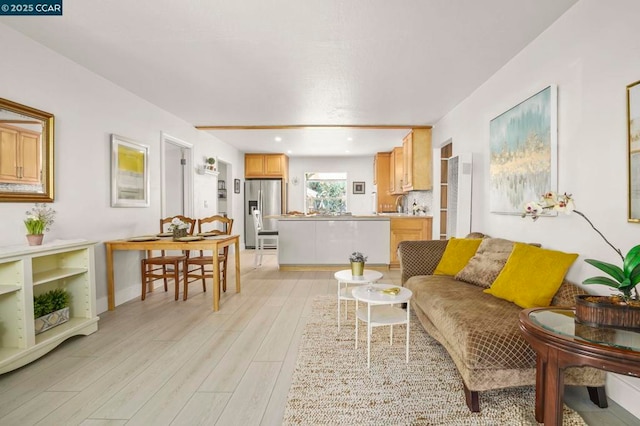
point(561, 342)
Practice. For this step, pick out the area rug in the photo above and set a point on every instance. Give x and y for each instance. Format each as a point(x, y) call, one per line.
point(331, 384)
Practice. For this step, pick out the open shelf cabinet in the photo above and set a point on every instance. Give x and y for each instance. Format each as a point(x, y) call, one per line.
point(29, 271)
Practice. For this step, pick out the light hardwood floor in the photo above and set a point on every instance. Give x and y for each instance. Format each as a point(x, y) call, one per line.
point(172, 362)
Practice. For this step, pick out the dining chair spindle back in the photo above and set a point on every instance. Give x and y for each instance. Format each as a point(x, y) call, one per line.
point(155, 267)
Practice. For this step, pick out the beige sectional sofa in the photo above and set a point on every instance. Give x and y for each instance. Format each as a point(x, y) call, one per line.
point(480, 331)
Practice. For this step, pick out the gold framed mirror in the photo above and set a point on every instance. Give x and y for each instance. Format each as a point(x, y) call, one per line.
point(26, 153)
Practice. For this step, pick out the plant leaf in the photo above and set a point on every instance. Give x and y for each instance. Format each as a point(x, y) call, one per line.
point(631, 260)
point(608, 268)
point(602, 280)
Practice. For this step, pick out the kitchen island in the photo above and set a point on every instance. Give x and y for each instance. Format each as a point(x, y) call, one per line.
point(325, 242)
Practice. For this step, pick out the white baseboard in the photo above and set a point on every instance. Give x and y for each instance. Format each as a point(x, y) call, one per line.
point(625, 391)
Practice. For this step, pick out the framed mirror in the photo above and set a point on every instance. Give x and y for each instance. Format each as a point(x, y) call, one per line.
point(633, 160)
point(26, 153)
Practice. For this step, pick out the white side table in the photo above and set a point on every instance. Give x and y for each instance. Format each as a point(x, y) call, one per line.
point(345, 278)
point(380, 311)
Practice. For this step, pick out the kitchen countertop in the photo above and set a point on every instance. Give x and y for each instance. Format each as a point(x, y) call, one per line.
point(382, 216)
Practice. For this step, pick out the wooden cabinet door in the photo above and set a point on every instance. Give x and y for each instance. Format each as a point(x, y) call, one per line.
point(9, 155)
point(386, 201)
point(273, 165)
point(407, 229)
point(30, 157)
point(253, 165)
point(421, 178)
point(398, 170)
point(407, 163)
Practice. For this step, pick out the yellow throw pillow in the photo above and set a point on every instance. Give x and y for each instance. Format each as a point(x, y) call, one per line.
point(456, 255)
point(531, 276)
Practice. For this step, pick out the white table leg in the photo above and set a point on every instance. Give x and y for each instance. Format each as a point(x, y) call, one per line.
point(356, 323)
point(368, 335)
point(339, 287)
point(408, 332)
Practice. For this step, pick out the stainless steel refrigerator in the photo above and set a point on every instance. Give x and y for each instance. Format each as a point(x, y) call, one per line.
point(266, 196)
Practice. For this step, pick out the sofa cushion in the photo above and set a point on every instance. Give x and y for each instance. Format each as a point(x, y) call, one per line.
point(460, 313)
point(531, 276)
point(457, 255)
point(485, 266)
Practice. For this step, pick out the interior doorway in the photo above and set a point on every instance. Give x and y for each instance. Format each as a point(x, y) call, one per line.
point(176, 177)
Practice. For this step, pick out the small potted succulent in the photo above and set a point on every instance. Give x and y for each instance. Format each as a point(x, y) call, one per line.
point(50, 309)
point(357, 260)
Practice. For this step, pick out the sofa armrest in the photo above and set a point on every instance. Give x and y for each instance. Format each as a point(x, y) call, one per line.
point(419, 257)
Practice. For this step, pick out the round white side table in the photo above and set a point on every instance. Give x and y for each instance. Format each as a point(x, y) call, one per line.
point(345, 279)
point(380, 311)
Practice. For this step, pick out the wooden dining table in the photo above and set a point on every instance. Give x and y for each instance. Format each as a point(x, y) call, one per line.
point(210, 243)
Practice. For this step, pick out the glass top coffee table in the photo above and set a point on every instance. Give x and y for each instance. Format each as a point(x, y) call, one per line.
point(347, 282)
point(561, 342)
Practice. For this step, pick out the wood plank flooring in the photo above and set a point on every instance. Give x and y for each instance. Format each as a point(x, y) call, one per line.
point(166, 362)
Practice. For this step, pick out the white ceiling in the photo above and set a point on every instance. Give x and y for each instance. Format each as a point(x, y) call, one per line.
point(293, 62)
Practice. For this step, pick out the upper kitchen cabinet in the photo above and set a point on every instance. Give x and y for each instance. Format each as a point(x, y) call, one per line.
point(381, 167)
point(396, 171)
point(20, 154)
point(266, 166)
point(417, 161)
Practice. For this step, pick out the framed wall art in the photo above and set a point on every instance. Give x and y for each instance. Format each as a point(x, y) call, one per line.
point(523, 157)
point(358, 187)
point(129, 173)
point(633, 160)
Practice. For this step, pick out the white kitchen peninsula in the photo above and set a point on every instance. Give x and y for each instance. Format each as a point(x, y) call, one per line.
point(307, 241)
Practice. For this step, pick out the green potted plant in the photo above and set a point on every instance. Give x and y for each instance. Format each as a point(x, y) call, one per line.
point(211, 161)
point(620, 310)
point(357, 260)
point(50, 309)
point(38, 220)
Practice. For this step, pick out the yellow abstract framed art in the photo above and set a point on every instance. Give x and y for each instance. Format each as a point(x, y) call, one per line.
point(129, 173)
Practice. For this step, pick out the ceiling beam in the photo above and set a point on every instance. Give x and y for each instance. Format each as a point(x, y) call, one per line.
point(317, 126)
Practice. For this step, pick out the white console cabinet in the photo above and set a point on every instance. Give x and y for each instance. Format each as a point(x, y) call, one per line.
point(27, 271)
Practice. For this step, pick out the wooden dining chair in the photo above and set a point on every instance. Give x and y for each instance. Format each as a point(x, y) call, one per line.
point(200, 267)
point(155, 267)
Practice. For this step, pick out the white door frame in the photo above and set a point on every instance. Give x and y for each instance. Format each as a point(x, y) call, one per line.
point(188, 179)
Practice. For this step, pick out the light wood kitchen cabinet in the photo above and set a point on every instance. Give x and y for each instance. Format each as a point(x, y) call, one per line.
point(20, 155)
point(414, 228)
point(417, 161)
point(266, 166)
point(396, 171)
point(381, 165)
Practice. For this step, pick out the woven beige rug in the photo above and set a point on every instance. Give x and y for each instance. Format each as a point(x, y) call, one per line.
point(331, 384)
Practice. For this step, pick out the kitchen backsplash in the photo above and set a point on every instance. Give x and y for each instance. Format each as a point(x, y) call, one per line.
point(424, 200)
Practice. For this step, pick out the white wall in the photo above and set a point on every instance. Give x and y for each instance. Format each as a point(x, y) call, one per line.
point(88, 109)
point(358, 169)
point(592, 52)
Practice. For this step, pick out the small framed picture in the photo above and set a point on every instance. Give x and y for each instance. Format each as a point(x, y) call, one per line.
point(236, 186)
point(358, 187)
